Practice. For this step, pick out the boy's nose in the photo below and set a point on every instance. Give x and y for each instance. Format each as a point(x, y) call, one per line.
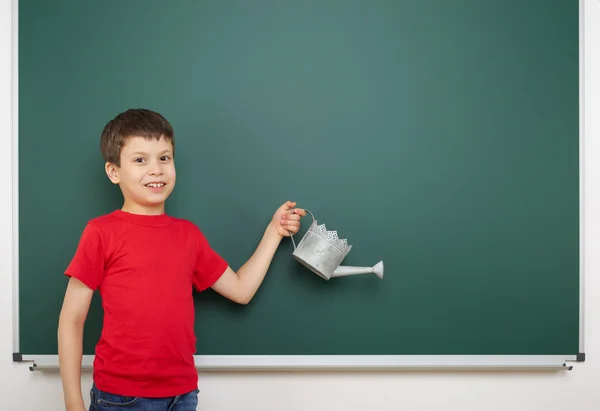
point(155, 170)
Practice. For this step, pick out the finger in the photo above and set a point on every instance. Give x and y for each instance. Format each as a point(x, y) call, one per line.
point(300, 212)
point(292, 226)
point(292, 220)
point(291, 215)
point(289, 205)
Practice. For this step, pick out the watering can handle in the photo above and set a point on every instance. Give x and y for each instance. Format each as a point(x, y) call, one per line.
point(292, 237)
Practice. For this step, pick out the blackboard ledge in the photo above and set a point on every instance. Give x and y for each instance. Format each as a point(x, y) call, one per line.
point(350, 362)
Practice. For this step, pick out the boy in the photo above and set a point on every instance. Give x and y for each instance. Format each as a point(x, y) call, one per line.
point(145, 264)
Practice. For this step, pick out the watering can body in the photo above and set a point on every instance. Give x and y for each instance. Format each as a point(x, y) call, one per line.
point(317, 254)
point(322, 252)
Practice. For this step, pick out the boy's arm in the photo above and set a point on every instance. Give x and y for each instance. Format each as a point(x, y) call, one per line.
point(70, 341)
point(241, 286)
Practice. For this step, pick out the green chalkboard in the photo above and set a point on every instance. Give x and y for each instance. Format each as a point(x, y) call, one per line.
point(441, 137)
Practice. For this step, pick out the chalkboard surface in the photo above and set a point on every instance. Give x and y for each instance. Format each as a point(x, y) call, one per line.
point(441, 137)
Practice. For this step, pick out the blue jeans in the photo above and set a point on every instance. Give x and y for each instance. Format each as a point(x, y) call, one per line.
point(104, 401)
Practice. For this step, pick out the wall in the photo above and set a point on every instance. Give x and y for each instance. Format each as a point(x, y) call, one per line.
point(575, 390)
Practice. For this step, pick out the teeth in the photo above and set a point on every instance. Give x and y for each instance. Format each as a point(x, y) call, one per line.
point(155, 184)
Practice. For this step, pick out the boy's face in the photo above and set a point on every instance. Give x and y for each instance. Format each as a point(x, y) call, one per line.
point(146, 175)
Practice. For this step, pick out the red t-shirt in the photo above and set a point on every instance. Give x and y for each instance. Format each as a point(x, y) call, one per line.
point(144, 268)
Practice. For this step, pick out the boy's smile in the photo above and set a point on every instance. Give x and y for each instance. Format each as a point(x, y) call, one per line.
point(156, 187)
point(146, 174)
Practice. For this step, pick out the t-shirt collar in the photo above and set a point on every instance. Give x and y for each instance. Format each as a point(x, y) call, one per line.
point(158, 220)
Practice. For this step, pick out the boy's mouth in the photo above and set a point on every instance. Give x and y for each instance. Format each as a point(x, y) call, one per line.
point(155, 185)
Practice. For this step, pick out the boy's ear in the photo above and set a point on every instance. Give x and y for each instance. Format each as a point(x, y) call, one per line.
point(112, 171)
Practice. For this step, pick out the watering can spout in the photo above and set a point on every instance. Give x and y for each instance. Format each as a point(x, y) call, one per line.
point(342, 271)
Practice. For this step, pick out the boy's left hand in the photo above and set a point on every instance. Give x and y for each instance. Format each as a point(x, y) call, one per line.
point(286, 219)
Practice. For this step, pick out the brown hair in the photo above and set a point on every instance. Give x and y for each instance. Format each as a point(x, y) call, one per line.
point(133, 122)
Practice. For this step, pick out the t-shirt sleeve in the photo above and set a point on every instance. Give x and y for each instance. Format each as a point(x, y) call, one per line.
point(87, 264)
point(209, 264)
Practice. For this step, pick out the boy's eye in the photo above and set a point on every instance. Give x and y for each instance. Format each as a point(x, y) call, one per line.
point(165, 158)
point(138, 159)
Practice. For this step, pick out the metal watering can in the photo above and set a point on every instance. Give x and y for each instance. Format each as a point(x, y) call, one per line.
point(322, 252)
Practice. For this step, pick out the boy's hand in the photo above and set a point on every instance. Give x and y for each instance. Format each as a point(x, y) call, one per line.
point(286, 219)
